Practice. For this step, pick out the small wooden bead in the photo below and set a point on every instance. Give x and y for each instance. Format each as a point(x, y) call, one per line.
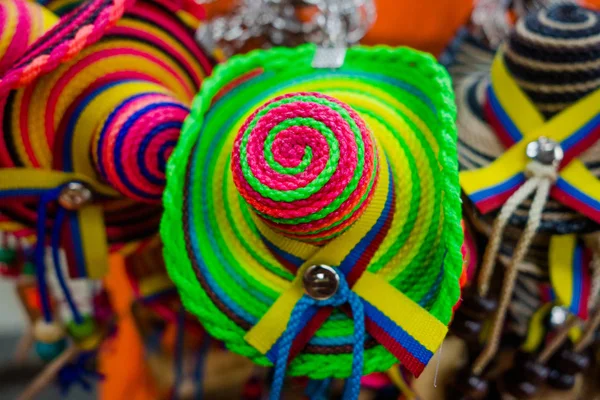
point(49, 351)
point(468, 387)
point(561, 381)
point(516, 383)
point(465, 328)
point(477, 307)
point(48, 332)
point(530, 369)
point(570, 362)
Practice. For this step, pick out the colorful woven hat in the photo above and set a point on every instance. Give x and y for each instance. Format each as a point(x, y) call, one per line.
point(528, 152)
point(550, 61)
point(91, 111)
point(344, 179)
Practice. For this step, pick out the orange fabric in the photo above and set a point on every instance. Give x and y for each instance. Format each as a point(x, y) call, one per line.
point(427, 25)
point(592, 3)
point(122, 357)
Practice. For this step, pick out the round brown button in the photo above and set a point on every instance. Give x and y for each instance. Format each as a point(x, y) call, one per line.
point(74, 196)
point(321, 282)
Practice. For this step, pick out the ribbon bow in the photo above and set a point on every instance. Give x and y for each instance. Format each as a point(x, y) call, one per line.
point(407, 330)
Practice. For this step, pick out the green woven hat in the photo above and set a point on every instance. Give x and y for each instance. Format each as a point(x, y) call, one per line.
point(312, 216)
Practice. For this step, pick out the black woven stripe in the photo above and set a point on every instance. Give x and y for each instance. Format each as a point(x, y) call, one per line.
point(551, 77)
point(534, 25)
point(557, 98)
point(563, 54)
point(7, 130)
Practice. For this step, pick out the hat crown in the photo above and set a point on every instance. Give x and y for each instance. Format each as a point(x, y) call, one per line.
point(306, 164)
point(554, 56)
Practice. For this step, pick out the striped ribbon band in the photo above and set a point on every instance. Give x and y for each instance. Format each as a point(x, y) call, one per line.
point(517, 123)
point(569, 263)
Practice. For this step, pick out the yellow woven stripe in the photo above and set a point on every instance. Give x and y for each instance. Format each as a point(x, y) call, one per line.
point(413, 318)
point(8, 31)
point(180, 49)
point(101, 105)
point(299, 249)
point(251, 265)
point(274, 322)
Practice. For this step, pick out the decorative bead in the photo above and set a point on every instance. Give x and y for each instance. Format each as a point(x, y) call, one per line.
point(74, 196)
point(48, 332)
point(478, 307)
point(465, 328)
point(28, 268)
point(321, 282)
point(84, 329)
point(525, 379)
point(49, 351)
point(468, 387)
point(570, 362)
point(467, 323)
point(561, 381)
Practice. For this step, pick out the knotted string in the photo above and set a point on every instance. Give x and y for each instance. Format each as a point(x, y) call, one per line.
point(539, 183)
point(55, 246)
point(343, 296)
point(51, 196)
point(45, 199)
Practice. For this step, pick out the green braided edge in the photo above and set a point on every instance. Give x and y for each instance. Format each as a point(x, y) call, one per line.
point(178, 263)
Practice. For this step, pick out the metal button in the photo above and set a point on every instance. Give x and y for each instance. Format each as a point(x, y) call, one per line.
point(321, 282)
point(74, 196)
point(546, 151)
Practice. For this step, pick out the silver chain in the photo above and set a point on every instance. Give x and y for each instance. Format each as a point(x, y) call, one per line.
point(330, 23)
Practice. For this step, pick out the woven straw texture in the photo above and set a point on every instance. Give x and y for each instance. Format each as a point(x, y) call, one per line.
point(214, 252)
point(112, 113)
point(555, 63)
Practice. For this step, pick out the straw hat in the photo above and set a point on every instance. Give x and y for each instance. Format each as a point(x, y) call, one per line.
point(553, 58)
point(298, 197)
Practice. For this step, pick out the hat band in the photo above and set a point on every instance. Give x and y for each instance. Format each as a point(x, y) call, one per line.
point(517, 122)
point(386, 310)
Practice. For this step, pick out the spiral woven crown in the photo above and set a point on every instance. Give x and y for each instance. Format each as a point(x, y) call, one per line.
point(306, 164)
point(554, 54)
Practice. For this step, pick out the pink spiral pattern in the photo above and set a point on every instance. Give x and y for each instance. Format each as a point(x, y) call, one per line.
point(306, 164)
